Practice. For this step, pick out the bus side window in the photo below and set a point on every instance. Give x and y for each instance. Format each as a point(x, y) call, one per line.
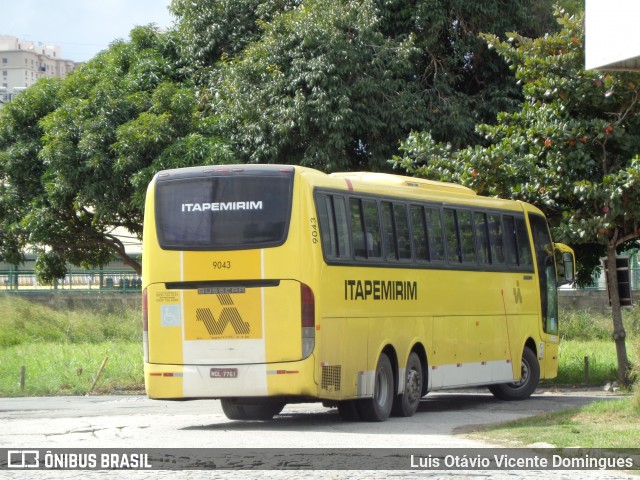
point(402, 231)
point(334, 231)
point(357, 228)
point(467, 244)
point(451, 234)
point(496, 240)
point(419, 230)
point(525, 258)
point(326, 220)
point(511, 245)
point(435, 232)
point(482, 237)
point(372, 228)
point(342, 226)
point(388, 234)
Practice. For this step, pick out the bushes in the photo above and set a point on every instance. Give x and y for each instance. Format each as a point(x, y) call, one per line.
point(24, 321)
point(587, 325)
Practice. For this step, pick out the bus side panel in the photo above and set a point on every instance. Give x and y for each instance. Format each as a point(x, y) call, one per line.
point(282, 312)
point(400, 333)
point(292, 378)
point(342, 357)
point(470, 336)
point(522, 300)
point(450, 350)
point(549, 365)
point(521, 328)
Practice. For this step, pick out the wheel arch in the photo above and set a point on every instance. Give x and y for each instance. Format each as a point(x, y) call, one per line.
point(531, 344)
point(418, 349)
point(392, 355)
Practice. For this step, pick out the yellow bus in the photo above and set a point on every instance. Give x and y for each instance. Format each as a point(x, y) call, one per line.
point(270, 284)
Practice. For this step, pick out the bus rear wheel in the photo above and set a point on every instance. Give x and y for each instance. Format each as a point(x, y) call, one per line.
point(529, 378)
point(378, 408)
point(236, 409)
point(405, 405)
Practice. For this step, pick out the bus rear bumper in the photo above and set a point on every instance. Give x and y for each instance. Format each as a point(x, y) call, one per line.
point(219, 381)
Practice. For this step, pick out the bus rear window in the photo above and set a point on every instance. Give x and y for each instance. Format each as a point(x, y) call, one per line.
point(236, 211)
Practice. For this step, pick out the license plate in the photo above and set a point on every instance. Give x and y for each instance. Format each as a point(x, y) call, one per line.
point(223, 373)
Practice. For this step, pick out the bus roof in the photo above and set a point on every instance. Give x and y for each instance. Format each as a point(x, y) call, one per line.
point(367, 181)
point(373, 178)
point(410, 187)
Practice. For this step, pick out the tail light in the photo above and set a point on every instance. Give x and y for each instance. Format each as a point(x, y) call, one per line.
point(145, 325)
point(307, 320)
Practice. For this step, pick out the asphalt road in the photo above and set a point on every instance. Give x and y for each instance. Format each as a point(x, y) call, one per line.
point(137, 422)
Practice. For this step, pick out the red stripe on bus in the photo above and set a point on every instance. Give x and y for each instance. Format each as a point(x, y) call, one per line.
point(349, 184)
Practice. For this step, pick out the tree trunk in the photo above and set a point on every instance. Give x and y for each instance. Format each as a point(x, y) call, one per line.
point(619, 334)
point(137, 267)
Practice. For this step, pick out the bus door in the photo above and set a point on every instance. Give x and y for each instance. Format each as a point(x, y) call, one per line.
point(547, 350)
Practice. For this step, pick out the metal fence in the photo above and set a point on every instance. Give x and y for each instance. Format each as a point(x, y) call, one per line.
point(600, 281)
point(75, 280)
point(129, 281)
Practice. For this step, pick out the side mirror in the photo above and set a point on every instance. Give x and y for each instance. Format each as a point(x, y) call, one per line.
point(565, 264)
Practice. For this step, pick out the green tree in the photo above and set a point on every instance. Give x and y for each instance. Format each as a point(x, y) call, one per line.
point(460, 80)
point(571, 149)
point(120, 118)
point(322, 87)
point(21, 170)
point(210, 30)
point(336, 84)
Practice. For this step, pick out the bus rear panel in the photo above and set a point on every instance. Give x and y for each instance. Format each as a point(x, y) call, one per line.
point(216, 325)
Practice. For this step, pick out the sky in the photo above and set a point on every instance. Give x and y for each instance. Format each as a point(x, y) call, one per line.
point(82, 28)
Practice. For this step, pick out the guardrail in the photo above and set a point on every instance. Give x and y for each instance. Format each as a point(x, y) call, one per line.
point(76, 280)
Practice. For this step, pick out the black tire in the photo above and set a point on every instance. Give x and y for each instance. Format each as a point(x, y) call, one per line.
point(378, 408)
point(530, 376)
point(406, 404)
point(236, 409)
point(348, 410)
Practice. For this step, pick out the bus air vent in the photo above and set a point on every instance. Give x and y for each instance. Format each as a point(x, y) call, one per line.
point(331, 377)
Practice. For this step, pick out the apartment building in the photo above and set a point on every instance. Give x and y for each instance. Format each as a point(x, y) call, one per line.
point(22, 63)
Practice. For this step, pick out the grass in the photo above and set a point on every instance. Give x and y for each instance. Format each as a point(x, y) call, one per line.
point(607, 424)
point(588, 334)
point(586, 325)
point(602, 362)
point(62, 350)
point(70, 369)
point(23, 321)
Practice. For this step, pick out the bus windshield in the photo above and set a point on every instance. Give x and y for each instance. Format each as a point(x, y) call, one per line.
point(240, 211)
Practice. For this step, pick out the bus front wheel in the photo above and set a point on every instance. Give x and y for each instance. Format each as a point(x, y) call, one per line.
point(378, 408)
point(236, 409)
point(405, 405)
point(523, 388)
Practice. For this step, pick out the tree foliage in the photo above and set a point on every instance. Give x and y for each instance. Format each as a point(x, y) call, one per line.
point(21, 171)
point(124, 115)
point(337, 84)
point(571, 149)
point(322, 87)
